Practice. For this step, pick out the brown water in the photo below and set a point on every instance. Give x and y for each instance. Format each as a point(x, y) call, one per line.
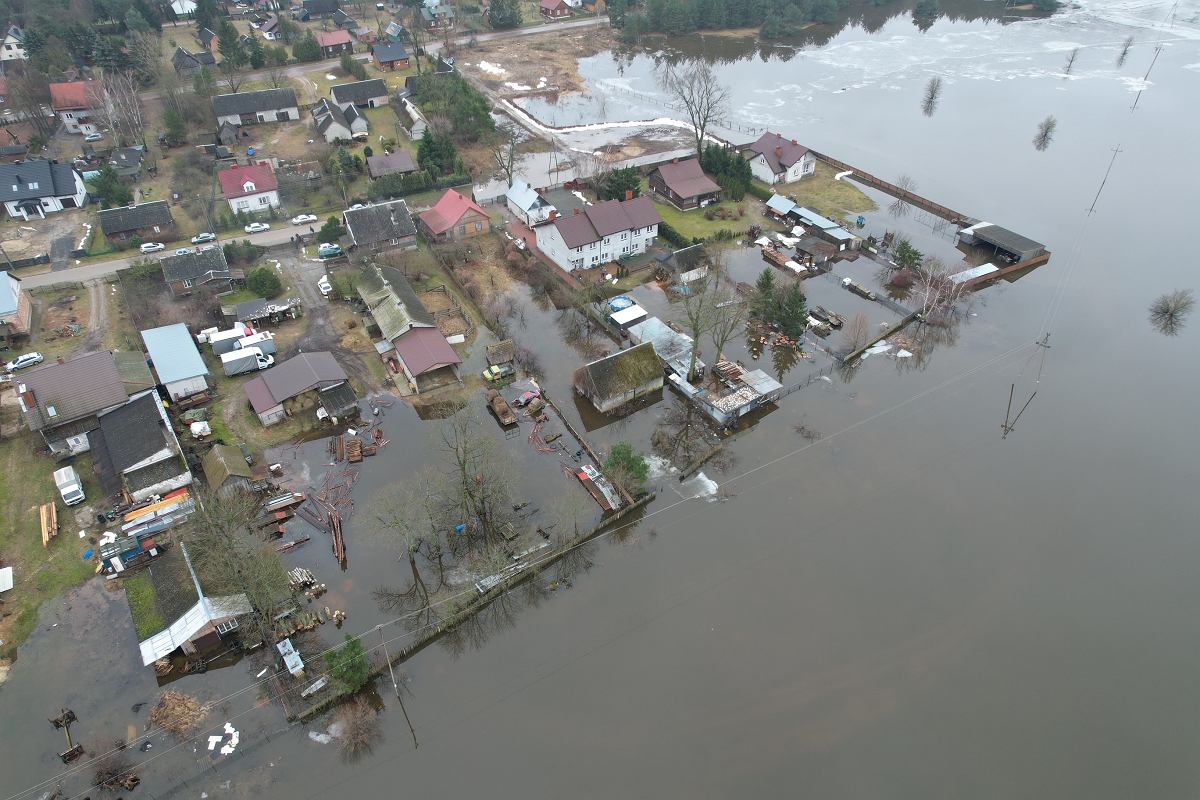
point(911, 606)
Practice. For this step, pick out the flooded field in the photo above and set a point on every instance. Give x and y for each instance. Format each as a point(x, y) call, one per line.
point(879, 593)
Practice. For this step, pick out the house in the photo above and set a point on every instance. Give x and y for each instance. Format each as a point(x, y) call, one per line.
point(812, 251)
point(71, 101)
point(62, 401)
point(397, 163)
point(183, 8)
point(438, 16)
point(826, 229)
point(259, 311)
point(334, 43)
point(389, 55)
point(188, 64)
point(1009, 244)
point(621, 378)
point(270, 28)
point(175, 614)
point(420, 351)
point(147, 221)
point(554, 9)
point(336, 125)
point(177, 361)
point(14, 45)
point(599, 234)
point(205, 269)
point(774, 159)
point(16, 309)
point(140, 447)
point(454, 217)
point(208, 39)
point(674, 349)
point(419, 123)
point(127, 162)
point(226, 470)
point(381, 226)
point(363, 94)
point(364, 34)
point(265, 105)
point(12, 153)
point(34, 188)
point(320, 8)
point(250, 188)
point(525, 202)
point(276, 390)
point(684, 185)
point(343, 20)
point(134, 371)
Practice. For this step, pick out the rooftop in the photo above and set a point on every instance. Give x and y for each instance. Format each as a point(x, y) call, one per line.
point(399, 162)
point(379, 222)
point(424, 350)
point(448, 210)
point(333, 38)
point(620, 373)
point(294, 377)
point(36, 178)
point(687, 179)
point(69, 95)
point(134, 431)
point(389, 51)
point(780, 153)
point(123, 219)
point(359, 91)
point(200, 266)
point(225, 105)
point(173, 352)
point(1006, 239)
point(72, 390)
point(239, 181)
point(392, 302)
point(595, 222)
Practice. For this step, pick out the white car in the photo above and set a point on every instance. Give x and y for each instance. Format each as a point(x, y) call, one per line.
point(21, 362)
point(304, 219)
point(200, 238)
point(183, 251)
point(257, 227)
point(324, 286)
point(152, 247)
point(93, 137)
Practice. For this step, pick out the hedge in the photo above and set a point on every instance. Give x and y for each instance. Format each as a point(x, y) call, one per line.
point(761, 192)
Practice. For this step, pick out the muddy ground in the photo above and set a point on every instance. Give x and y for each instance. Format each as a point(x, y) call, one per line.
point(546, 65)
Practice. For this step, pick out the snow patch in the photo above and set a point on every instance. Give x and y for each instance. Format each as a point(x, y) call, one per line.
point(492, 69)
point(519, 87)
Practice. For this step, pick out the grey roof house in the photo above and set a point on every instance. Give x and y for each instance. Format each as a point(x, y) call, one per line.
point(265, 105)
point(36, 187)
point(146, 220)
point(127, 161)
point(62, 401)
point(381, 226)
point(206, 268)
point(307, 372)
point(336, 125)
point(389, 55)
point(398, 163)
point(188, 64)
point(318, 8)
point(365, 94)
point(140, 447)
point(620, 378)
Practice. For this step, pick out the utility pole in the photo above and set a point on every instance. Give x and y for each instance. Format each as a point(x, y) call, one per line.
point(396, 687)
point(1115, 151)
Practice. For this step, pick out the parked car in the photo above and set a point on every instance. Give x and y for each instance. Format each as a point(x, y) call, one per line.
point(498, 372)
point(152, 247)
point(183, 251)
point(304, 219)
point(324, 286)
point(200, 238)
point(23, 361)
point(526, 398)
point(93, 137)
point(69, 485)
point(257, 227)
point(329, 250)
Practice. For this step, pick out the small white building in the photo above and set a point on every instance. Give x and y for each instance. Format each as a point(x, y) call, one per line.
point(774, 159)
point(14, 45)
point(525, 202)
point(599, 234)
point(251, 188)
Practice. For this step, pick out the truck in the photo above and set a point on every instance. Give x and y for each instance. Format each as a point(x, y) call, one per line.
point(500, 408)
point(69, 485)
point(224, 341)
point(247, 359)
point(264, 340)
point(858, 290)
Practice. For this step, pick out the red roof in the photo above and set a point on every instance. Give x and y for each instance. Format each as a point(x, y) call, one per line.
point(66, 96)
point(448, 211)
point(234, 180)
point(552, 5)
point(686, 179)
point(425, 349)
point(333, 38)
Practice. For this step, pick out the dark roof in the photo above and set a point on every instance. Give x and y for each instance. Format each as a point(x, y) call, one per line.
point(75, 389)
point(135, 372)
point(424, 350)
point(407, 295)
point(619, 374)
point(320, 6)
point(127, 160)
point(14, 149)
point(359, 91)
point(301, 373)
point(338, 400)
point(1007, 240)
point(400, 161)
point(686, 179)
point(254, 310)
point(780, 153)
point(133, 432)
point(36, 178)
point(341, 18)
point(183, 60)
point(225, 105)
point(131, 218)
point(328, 114)
point(222, 462)
point(389, 51)
point(604, 219)
point(155, 473)
point(206, 35)
point(379, 222)
point(200, 266)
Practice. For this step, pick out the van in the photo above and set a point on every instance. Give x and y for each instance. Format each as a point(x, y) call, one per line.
point(69, 485)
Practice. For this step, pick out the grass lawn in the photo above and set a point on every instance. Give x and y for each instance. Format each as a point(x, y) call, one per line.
point(99, 244)
point(143, 606)
point(39, 574)
point(693, 224)
point(823, 194)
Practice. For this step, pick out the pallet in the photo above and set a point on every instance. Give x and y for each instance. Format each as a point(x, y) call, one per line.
point(48, 513)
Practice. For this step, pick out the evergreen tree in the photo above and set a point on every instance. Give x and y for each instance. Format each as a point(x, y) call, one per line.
point(331, 231)
point(255, 55)
point(505, 14)
point(230, 45)
point(307, 48)
point(616, 13)
point(764, 304)
point(108, 187)
point(348, 665)
point(793, 313)
point(620, 181)
point(206, 14)
point(134, 21)
point(174, 126)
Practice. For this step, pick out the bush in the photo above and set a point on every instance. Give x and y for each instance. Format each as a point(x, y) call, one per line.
point(348, 665)
point(673, 236)
point(761, 192)
point(626, 467)
point(264, 282)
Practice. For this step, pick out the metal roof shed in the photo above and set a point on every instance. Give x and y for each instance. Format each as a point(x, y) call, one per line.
point(674, 349)
point(1014, 244)
point(176, 359)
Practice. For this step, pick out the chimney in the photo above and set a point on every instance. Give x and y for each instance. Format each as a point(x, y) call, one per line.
point(794, 141)
point(576, 210)
point(778, 152)
point(629, 194)
point(553, 216)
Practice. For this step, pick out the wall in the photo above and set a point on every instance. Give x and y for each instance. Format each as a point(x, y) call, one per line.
point(186, 387)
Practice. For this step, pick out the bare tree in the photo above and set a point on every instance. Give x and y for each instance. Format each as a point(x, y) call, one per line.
point(504, 152)
point(1124, 51)
point(276, 75)
point(115, 101)
point(145, 56)
point(699, 314)
point(856, 333)
point(933, 90)
point(935, 293)
point(1169, 312)
point(729, 310)
point(907, 186)
point(29, 96)
point(703, 98)
point(1045, 133)
point(1074, 54)
point(683, 434)
point(231, 74)
point(357, 726)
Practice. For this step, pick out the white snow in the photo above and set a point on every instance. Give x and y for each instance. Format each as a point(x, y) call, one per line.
point(518, 87)
point(492, 69)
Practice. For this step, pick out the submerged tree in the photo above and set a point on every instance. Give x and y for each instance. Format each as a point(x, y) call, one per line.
point(1045, 133)
point(1124, 51)
point(357, 726)
point(1074, 54)
point(1169, 313)
point(626, 467)
point(907, 185)
point(348, 665)
point(933, 91)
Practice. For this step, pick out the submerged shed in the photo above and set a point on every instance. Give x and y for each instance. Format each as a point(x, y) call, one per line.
point(616, 380)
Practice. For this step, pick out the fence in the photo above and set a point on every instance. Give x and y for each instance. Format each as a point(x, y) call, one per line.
point(867, 178)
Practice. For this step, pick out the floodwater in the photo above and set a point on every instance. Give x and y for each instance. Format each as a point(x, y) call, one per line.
point(898, 601)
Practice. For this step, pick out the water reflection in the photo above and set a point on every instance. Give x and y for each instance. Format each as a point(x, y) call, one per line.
point(1169, 313)
point(933, 91)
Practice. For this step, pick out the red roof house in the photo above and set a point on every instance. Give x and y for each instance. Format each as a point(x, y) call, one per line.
point(69, 96)
point(554, 9)
point(335, 43)
point(425, 349)
point(455, 216)
point(250, 188)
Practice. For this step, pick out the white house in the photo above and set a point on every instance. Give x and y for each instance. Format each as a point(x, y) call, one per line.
point(14, 45)
point(248, 108)
point(250, 188)
point(71, 101)
point(529, 206)
point(336, 124)
point(599, 234)
point(35, 188)
point(774, 159)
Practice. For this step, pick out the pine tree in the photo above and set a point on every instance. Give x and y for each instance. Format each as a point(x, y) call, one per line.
point(763, 306)
point(793, 313)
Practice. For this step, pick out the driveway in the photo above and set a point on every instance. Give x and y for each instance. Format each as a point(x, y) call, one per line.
point(60, 252)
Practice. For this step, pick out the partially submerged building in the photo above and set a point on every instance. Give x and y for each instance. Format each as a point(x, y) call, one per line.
point(616, 380)
point(412, 344)
point(674, 349)
point(1009, 244)
point(276, 390)
point(226, 470)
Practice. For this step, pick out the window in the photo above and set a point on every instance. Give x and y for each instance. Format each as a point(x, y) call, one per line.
point(156, 230)
point(51, 411)
point(33, 184)
point(187, 283)
point(478, 227)
point(462, 228)
point(592, 246)
point(625, 235)
point(262, 201)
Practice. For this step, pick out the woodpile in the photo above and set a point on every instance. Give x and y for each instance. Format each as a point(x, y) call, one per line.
point(177, 713)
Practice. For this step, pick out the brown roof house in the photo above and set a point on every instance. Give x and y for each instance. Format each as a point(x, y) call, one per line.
point(774, 159)
point(684, 185)
point(397, 163)
point(206, 269)
point(554, 9)
point(454, 217)
point(285, 388)
point(334, 43)
point(146, 221)
point(616, 380)
point(63, 401)
point(16, 309)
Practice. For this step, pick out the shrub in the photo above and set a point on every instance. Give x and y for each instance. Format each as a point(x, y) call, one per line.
point(264, 282)
point(348, 665)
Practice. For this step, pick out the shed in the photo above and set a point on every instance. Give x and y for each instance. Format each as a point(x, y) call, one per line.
point(674, 349)
point(298, 375)
point(621, 378)
point(630, 315)
point(1002, 240)
point(225, 468)
point(176, 359)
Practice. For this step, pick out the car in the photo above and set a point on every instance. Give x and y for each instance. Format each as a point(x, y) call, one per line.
point(304, 219)
point(204, 237)
point(183, 251)
point(257, 227)
point(204, 248)
point(93, 137)
point(23, 361)
point(329, 250)
point(498, 372)
point(324, 286)
point(152, 247)
point(526, 398)
point(356, 207)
